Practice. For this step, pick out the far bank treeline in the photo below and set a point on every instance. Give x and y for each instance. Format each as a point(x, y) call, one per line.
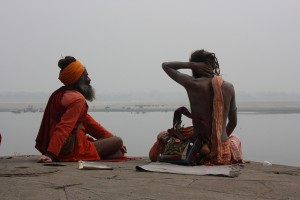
point(243, 107)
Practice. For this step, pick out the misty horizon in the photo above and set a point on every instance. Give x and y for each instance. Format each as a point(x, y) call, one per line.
point(155, 96)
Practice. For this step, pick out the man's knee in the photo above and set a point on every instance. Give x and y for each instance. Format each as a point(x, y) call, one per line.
point(118, 141)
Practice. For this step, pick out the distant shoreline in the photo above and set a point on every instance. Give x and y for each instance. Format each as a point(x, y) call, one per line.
point(141, 107)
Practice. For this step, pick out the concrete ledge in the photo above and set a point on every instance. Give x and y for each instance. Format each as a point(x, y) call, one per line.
point(21, 177)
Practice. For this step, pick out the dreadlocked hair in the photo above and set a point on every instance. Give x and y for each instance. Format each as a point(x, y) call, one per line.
point(206, 57)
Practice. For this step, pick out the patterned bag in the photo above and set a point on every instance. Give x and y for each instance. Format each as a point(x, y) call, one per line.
point(181, 145)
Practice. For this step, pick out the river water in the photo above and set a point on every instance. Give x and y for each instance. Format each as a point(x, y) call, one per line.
point(265, 137)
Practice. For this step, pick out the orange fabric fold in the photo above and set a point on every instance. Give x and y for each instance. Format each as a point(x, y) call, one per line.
point(218, 107)
point(71, 73)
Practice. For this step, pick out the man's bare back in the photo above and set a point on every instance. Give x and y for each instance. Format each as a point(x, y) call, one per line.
point(200, 93)
point(201, 98)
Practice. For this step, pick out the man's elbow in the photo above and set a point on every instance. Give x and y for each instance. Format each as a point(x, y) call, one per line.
point(232, 118)
point(233, 124)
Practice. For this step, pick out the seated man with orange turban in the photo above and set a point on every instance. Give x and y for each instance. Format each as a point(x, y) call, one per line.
point(67, 131)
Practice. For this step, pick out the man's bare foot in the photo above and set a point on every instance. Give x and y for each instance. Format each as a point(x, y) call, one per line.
point(205, 150)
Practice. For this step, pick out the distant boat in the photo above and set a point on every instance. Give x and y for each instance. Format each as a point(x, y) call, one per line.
point(16, 111)
point(29, 108)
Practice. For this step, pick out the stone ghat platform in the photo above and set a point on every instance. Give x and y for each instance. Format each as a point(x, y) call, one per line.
point(21, 177)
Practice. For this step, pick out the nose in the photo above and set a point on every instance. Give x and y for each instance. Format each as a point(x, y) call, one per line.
point(88, 80)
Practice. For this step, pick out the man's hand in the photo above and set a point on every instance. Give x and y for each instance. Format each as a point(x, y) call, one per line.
point(44, 159)
point(201, 69)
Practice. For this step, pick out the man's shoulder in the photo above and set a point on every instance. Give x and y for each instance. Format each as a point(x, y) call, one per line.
point(228, 89)
point(73, 95)
point(227, 84)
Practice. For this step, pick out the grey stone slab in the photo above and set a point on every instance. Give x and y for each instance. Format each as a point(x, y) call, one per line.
point(21, 177)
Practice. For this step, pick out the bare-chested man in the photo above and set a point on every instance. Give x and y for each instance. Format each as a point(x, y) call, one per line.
point(209, 96)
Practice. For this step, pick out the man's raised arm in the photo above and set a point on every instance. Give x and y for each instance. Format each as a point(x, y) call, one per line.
point(171, 68)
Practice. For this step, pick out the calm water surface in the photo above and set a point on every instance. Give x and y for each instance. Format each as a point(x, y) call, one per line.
point(265, 137)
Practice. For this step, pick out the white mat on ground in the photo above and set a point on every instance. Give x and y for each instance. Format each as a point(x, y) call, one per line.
point(217, 170)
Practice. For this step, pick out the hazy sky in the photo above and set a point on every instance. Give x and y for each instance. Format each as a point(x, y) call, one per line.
point(123, 43)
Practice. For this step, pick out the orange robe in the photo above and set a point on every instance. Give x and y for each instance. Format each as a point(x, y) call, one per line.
point(70, 109)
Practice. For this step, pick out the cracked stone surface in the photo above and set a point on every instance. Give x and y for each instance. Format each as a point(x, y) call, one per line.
point(22, 178)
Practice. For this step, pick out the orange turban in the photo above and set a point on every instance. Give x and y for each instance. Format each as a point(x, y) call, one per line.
point(71, 73)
